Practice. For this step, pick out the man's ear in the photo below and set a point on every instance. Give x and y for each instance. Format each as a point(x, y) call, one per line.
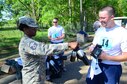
point(112, 17)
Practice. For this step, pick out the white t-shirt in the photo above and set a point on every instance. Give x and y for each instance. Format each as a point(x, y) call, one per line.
point(113, 41)
point(55, 32)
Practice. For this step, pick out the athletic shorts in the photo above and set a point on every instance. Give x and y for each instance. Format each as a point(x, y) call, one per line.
point(110, 75)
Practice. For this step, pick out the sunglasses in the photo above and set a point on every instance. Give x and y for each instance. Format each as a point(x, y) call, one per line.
point(54, 22)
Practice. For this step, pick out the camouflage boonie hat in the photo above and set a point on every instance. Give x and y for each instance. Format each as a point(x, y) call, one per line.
point(27, 21)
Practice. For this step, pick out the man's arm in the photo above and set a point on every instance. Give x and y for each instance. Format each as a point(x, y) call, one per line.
point(40, 49)
point(60, 37)
point(119, 58)
point(49, 37)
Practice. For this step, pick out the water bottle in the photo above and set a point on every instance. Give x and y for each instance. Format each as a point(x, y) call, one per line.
point(56, 68)
point(73, 56)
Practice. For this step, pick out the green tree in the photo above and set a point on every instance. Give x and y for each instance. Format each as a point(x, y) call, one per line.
point(68, 11)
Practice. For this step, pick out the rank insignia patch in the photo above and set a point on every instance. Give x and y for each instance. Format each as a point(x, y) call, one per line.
point(33, 45)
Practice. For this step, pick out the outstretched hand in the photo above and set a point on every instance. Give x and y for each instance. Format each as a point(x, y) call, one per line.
point(73, 45)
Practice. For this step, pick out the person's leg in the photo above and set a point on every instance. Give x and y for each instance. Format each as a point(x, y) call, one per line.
point(98, 79)
point(112, 73)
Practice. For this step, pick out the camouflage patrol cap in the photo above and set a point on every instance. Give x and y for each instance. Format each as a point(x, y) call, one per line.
point(27, 21)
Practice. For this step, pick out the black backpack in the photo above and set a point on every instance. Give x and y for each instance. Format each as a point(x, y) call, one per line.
point(54, 66)
point(17, 67)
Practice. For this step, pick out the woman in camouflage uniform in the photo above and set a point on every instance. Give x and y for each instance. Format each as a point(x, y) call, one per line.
point(33, 52)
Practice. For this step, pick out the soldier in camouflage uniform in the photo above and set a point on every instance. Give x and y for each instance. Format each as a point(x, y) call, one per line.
point(33, 52)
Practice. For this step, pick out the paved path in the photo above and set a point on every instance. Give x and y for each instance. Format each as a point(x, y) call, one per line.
point(76, 74)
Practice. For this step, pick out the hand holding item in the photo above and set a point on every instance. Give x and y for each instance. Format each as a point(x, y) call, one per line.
point(73, 45)
point(103, 56)
point(80, 54)
point(91, 48)
point(96, 52)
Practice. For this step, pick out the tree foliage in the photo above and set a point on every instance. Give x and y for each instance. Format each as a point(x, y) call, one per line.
point(68, 11)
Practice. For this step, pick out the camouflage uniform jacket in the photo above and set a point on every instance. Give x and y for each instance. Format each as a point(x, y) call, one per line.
point(33, 54)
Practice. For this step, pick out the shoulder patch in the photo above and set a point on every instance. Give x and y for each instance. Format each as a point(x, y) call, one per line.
point(33, 45)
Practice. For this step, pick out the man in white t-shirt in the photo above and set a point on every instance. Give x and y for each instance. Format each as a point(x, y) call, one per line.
point(56, 33)
point(114, 49)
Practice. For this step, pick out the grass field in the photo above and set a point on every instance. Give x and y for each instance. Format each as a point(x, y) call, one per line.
point(10, 38)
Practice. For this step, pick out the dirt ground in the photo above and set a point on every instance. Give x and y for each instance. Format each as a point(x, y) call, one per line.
point(76, 73)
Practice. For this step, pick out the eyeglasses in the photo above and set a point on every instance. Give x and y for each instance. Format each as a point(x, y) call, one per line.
point(54, 22)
